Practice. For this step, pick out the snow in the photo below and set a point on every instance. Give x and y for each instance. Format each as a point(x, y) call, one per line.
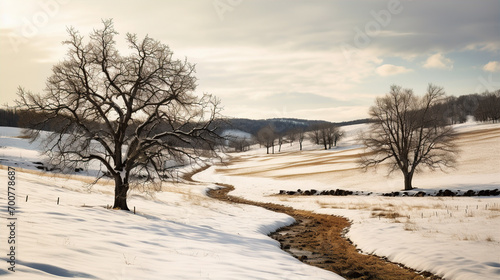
point(176, 233)
point(454, 237)
point(180, 233)
point(236, 133)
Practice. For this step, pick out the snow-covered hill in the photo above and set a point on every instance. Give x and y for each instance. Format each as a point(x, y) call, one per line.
point(180, 233)
point(177, 233)
point(455, 237)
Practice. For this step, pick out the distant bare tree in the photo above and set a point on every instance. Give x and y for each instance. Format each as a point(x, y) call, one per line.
point(337, 135)
point(326, 134)
point(315, 135)
point(301, 135)
point(281, 139)
point(131, 113)
point(332, 135)
point(292, 136)
point(239, 144)
point(410, 132)
point(297, 134)
point(266, 136)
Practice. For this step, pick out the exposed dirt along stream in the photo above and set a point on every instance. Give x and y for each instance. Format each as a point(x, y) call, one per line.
point(319, 240)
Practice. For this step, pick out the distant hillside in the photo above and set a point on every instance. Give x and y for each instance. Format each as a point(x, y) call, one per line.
point(280, 125)
point(17, 118)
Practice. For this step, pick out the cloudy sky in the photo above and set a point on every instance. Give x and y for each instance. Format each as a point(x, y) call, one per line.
point(285, 58)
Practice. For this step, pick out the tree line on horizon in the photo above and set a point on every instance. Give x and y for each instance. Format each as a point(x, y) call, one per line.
point(483, 107)
point(269, 136)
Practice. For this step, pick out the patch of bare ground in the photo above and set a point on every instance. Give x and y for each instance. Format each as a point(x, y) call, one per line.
point(318, 240)
point(489, 133)
point(294, 168)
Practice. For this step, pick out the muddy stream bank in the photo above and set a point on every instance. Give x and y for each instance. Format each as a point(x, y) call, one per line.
point(319, 240)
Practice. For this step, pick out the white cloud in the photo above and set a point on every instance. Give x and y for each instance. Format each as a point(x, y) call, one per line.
point(308, 49)
point(258, 73)
point(389, 70)
point(492, 66)
point(438, 61)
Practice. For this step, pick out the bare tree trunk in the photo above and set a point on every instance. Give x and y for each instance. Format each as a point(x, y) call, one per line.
point(408, 178)
point(121, 189)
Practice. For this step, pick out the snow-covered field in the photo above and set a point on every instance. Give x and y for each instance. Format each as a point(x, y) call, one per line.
point(178, 233)
point(457, 238)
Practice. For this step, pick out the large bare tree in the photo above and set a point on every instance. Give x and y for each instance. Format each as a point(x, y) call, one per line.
point(131, 113)
point(409, 132)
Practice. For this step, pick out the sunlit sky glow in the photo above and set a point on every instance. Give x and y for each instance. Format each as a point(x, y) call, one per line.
point(268, 59)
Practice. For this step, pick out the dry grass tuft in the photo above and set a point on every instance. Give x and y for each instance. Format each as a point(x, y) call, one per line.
point(410, 227)
point(386, 214)
point(324, 204)
point(494, 208)
point(468, 237)
point(490, 239)
point(284, 199)
point(493, 216)
point(469, 214)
